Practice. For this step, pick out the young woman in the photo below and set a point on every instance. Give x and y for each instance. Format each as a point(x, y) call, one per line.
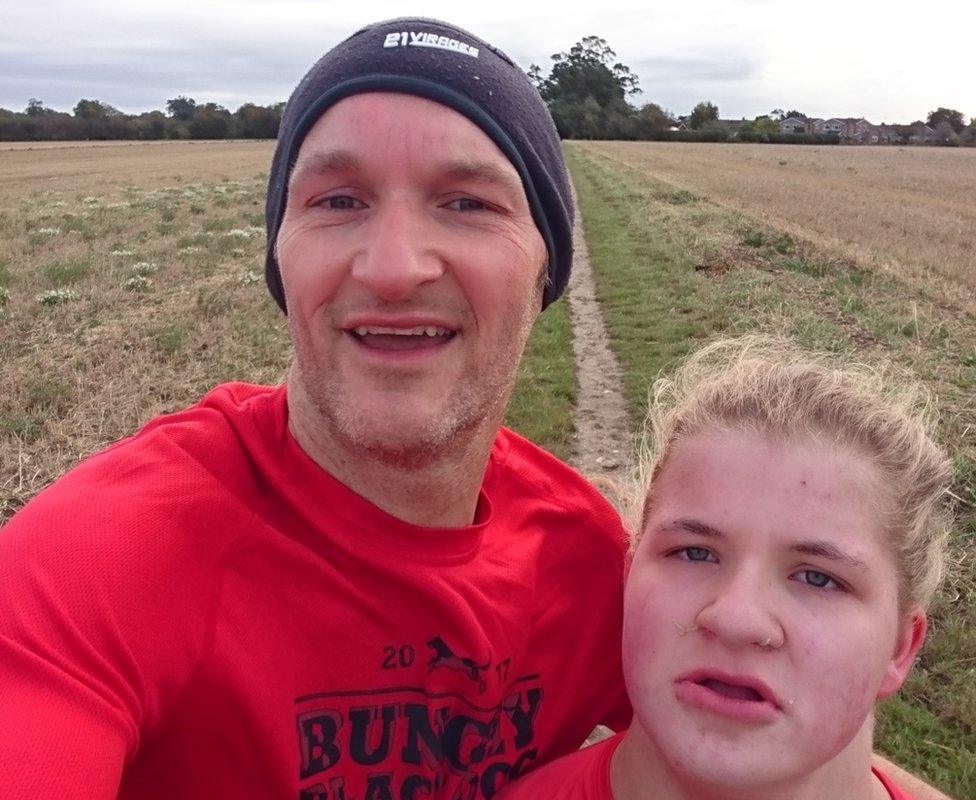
point(791, 532)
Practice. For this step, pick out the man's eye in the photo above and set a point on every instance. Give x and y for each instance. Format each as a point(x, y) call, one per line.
point(816, 579)
point(341, 202)
point(695, 554)
point(467, 204)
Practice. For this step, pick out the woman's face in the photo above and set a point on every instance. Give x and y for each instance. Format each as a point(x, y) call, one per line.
point(761, 617)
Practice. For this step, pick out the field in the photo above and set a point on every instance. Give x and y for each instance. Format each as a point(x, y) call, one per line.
point(131, 281)
point(909, 211)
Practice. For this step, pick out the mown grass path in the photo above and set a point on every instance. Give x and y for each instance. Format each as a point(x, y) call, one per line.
point(604, 433)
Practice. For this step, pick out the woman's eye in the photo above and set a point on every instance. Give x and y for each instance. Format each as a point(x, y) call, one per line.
point(818, 580)
point(696, 554)
point(467, 204)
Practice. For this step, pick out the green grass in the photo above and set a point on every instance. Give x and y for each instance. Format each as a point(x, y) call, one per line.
point(47, 395)
point(541, 407)
point(656, 304)
point(672, 273)
point(65, 273)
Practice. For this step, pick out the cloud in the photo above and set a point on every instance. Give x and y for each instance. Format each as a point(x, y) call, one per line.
point(704, 69)
point(746, 55)
point(144, 75)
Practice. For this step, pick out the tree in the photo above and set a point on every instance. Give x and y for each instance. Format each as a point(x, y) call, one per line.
point(535, 76)
point(151, 125)
point(906, 132)
point(181, 108)
point(94, 109)
point(945, 133)
point(587, 91)
point(210, 121)
point(701, 114)
point(586, 71)
point(652, 121)
point(955, 118)
point(35, 108)
point(258, 122)
point(756, 129)
point(794, 113)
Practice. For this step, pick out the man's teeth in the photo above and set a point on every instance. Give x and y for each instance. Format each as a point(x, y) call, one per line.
point(419, 330)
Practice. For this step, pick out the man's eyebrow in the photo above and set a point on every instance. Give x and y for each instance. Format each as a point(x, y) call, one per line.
point(324, 163)
point(693, 526)
point(481, 172)
point(828, 550)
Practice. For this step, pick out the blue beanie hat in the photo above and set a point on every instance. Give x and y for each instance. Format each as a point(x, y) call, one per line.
point(448, 65)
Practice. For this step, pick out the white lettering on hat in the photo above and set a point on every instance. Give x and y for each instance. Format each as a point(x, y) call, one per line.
point(426, 39)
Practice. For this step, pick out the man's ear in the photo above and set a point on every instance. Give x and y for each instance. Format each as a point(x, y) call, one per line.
point(911, 635)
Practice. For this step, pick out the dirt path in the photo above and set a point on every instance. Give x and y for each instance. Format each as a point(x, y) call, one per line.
point(603, 428)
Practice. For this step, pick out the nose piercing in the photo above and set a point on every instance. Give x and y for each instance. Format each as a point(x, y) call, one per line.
point(682, 629)
point(766, 643)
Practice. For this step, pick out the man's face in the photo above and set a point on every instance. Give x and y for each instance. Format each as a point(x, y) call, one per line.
point(411, 269)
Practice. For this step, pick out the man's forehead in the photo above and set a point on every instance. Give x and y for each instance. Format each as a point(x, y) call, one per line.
point(326, 162)
point(364, 118)
point(366, 131)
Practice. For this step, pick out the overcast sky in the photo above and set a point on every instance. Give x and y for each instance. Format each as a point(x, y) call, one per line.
point(889, 61)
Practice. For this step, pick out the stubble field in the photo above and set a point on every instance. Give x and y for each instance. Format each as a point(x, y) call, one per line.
point(910, 211)
point(131, 281)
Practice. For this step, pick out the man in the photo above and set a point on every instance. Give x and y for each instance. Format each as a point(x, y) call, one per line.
point(355, 586)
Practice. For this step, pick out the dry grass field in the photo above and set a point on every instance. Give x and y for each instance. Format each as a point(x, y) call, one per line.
point(907, 210)
point(131, 281)
point(31, 171)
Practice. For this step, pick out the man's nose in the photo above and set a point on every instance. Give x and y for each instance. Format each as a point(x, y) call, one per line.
point(742, 611)
point(398, 253)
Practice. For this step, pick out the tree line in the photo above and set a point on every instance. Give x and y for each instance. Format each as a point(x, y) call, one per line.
point(184, 119)
point(587, 91)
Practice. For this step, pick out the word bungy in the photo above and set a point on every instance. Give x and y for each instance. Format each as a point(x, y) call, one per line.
point(424, 39)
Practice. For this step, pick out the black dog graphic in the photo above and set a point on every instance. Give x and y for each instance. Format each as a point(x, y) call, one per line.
point(445, 657)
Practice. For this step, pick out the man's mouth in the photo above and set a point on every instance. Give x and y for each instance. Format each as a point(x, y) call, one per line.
point(383, 337)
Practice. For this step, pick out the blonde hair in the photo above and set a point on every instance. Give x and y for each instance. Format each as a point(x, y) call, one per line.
point(769, 386)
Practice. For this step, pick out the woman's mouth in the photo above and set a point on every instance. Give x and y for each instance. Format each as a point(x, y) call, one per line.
point(743, 698)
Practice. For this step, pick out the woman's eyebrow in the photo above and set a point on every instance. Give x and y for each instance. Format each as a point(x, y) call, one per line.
point(693, 526)
point(828, 550)
point(813, 547)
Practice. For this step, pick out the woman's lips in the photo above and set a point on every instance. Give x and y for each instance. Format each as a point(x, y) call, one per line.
point(744, 698)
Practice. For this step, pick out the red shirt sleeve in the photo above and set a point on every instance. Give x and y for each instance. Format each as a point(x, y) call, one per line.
point(87, 597)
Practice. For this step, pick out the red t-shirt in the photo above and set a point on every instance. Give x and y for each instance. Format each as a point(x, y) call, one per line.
point(201, 612)
point(585, 775)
